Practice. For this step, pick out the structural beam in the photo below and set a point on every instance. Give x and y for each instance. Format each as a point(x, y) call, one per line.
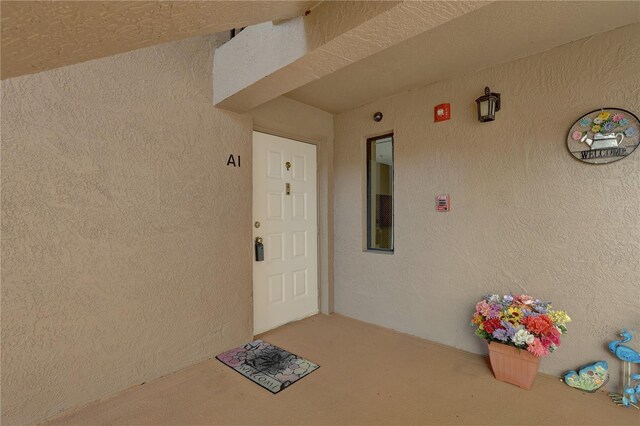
point(271, 59)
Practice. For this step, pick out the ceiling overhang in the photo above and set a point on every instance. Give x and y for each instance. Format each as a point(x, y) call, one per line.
point(498, 33)
point(41, 35)
point(269, 60)
point(342, 56)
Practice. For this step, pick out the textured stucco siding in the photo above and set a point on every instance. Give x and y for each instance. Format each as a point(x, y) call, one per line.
point(525, 215)
point(125, 237)
point(42, 35)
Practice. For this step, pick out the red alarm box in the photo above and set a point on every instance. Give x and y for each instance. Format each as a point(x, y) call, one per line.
point(443, 203)
point(441, 112)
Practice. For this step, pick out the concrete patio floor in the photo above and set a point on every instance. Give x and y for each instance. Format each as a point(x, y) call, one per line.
point(368, 375)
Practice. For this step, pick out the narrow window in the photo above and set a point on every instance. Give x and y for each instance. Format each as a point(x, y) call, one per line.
point(380, 193)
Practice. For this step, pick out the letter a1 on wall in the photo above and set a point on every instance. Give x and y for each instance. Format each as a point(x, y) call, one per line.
point(604, 135)
point(232, 161)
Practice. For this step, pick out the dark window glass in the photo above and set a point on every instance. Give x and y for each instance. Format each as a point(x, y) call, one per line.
point(380, 193)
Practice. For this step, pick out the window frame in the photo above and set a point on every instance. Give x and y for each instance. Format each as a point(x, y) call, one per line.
point(368, 197)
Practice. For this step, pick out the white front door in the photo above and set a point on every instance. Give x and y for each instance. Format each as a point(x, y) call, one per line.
point(285, 283)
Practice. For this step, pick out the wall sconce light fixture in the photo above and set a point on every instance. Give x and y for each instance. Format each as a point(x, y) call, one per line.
point(488, 105)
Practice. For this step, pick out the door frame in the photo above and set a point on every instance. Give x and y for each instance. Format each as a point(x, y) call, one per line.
point(319, 206)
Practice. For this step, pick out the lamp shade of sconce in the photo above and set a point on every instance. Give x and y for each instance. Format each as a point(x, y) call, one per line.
point(488, 105)
point(377, 116)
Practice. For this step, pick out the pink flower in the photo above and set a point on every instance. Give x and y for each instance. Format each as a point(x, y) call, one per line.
point(551, 337)
point(618, 117)
point(483, 308)
point(524, 300)
point(233, 357)
point(537, 348)
point(576, 135)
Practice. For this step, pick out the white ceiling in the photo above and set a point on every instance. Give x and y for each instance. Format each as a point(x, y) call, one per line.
point(497, 33)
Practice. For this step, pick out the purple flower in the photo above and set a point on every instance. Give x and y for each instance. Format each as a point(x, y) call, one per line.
point(500, 334)
point(509, 329)
point(495, 311)
point(609, 126)
point(541, 307)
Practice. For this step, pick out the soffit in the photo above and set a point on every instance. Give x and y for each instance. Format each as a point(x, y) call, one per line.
point(41, 35)
point(497, 33)
point(266, 61)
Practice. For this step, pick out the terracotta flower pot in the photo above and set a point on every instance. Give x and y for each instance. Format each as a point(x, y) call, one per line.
point(513, 365)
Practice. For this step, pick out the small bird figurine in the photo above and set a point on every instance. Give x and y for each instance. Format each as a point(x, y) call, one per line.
point(623, 352)
point(629, 396)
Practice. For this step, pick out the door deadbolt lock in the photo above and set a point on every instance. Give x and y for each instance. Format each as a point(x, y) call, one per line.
point(287, 165)
point(259, 249)
point(257, 224)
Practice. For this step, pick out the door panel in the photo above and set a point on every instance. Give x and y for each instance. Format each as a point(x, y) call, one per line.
point(285, 284)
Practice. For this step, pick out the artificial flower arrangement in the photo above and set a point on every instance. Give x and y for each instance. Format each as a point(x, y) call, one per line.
point(520, 321)
point(605, 122)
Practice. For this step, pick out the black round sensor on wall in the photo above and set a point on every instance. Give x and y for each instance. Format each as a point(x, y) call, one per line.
point(377, 116)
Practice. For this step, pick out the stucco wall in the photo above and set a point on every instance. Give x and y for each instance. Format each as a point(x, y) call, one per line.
point(525, 216)
point(125, 237)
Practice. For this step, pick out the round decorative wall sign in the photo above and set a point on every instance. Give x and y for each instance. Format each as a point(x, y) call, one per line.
point(604, 135)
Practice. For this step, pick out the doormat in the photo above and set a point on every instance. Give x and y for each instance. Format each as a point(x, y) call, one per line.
point(269, 366)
